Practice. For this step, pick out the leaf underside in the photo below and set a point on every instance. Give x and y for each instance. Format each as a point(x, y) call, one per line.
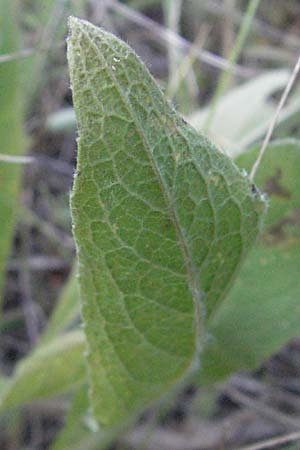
point(161, 221)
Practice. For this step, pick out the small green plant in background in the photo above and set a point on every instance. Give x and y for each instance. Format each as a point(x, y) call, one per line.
point(162, 222)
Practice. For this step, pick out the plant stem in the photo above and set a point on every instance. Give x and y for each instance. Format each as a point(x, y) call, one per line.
point(275, 118)
point(234, 55)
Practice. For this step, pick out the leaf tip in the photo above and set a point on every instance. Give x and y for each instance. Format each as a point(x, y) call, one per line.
point(73, 22)
point(75, 26)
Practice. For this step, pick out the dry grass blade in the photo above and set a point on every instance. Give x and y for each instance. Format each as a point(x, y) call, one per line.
point(186, 64)
point(262, 409)
point(25, 53)
point(16, 159)
point(270, 443)
point(275, 119)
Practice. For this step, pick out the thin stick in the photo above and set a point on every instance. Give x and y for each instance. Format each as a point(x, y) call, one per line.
point(55, 165)
point(227, 24)
point(186, 64)
point(27, 52)
point(172, 13)
point(274, 119)
point(270, 443)
point(16, 159)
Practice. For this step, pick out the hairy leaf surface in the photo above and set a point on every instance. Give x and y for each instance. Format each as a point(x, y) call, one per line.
point(262, 311)
point(161, 220)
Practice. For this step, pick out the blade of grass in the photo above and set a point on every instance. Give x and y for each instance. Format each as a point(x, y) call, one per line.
point(181, 79)
point(172, 13)
point(50, 16)
point(66, 310)
point(228, 28)
point(186, 64)
point(234, 55)
point(11, 133)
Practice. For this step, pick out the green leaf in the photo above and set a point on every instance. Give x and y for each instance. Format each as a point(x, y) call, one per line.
point(42, 19)
point(75, 428)
point(244, 113)
point(81, 432)
point(66, 310)
point(161, 220)
point(50, 370)
point(262, 311)
point(11, 136)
